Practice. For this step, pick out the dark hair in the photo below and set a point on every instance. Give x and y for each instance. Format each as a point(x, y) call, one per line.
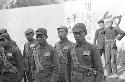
point(101, 21)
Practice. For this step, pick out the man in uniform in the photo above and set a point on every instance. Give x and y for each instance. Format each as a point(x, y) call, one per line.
point(86, 60)
point(64, 69)
point(110, 48)
point(99, 39)
point(28, 55)
point(12, 60)
point(46, 59)
point(3, 30)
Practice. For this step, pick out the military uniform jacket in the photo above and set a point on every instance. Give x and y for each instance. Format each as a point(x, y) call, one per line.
point(88, 55)
point(99, 38)
point(63, 45)
point(28, 54)
point(47, 57)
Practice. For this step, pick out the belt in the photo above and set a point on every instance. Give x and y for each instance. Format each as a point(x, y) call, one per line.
point(47, 66)
point(110, 40)
point(86, 73)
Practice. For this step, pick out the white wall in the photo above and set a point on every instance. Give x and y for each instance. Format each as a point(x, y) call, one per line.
point(19, 19)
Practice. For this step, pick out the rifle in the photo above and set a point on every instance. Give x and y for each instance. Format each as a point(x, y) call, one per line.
point(7, 64)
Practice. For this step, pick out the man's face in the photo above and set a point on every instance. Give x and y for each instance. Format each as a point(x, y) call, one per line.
point(4, 42)
point(109, 24)
point(41, 38)
point(79, 36)
point(62, 33)
point(29, 36)
point(101, 25)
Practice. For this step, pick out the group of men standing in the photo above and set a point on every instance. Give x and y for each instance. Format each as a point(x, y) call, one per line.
point(105, 40)
point(65, 62)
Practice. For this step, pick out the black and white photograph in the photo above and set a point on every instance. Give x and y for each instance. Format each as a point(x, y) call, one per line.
point(62, 41)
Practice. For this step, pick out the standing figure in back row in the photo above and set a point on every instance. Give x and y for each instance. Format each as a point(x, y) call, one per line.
point(64, 67)
point(111, 34)
point(99, 39)
point(28, 55)
point(46, 59)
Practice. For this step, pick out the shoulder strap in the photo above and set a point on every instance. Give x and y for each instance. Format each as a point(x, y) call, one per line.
point(59, 50)
point(36, 58)
point(27, 48)
point(74, 57)
point(76, 63)
point(62, 58)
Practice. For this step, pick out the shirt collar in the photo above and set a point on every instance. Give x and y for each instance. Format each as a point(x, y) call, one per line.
point(63, 41)
point(43, 46)
point(83, 43)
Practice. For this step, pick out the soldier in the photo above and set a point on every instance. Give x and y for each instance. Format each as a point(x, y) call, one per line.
point(110, 48)
point(12, 41)
point(28, 55)
point(12, 60)
point(64, 69)
point(99, 39)
point(46, 58)
point(3, 31)
point(86, 60)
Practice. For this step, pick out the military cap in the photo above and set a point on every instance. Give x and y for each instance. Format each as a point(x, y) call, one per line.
point(3, 30)
point(79, 27)
point(41, 31)
point(101, 21)
point(5, 35)
point(63, 27)
point(29, 30)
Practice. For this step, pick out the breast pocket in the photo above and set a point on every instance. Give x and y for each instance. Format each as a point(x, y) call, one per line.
point(86, 55)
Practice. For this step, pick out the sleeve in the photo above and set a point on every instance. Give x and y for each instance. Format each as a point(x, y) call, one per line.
point(69, 67)
point(96, 58)
point(120, 34)
point(24, 53)
point(55, 61)
point(71, 59)
point(119, 31)
point(19, 59)
point(96, 36)
point(24, 58)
